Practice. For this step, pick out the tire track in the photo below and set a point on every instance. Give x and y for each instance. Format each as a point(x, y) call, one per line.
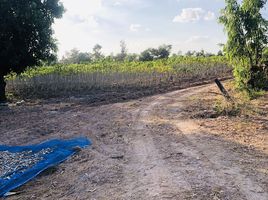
point(202, 168)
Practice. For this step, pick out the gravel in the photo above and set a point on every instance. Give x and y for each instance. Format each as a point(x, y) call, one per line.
point(13, 163)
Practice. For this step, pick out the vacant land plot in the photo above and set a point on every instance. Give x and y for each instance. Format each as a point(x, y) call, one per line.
point(150, 148)
point(110, 76)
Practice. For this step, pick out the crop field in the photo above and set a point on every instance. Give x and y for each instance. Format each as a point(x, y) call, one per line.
point(79, 79)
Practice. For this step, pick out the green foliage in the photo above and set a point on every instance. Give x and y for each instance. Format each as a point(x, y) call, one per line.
point(227, 108)
point(97, 54)
point(26, 34)
point(241, 73)
point(179, 64)
point(146, 55)
point(163, 51)
point(76, 57)
point(242, 103)
point(151, 54)
point(247, 39)
point(123, 54)
point(265, 55)
point(132, 57)
point(201, 53)
point(79, 79)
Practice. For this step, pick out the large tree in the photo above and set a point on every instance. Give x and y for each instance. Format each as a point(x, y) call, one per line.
point(247, 33)
point(26, 35)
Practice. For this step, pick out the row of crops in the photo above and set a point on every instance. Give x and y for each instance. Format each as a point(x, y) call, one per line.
point(67, 80)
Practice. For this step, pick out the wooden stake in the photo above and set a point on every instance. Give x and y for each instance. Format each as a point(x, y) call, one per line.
point(223, 90)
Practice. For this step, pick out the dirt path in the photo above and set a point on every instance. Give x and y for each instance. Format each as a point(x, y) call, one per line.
point(197, 166)
point(143, 149)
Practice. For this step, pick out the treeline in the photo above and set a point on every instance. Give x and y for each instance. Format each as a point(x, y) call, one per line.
point(162, 52)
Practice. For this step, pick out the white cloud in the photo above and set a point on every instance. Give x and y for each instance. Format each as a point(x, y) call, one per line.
point(209, 16)
point(82, 7)
point(138, 28)
point(137, 3)
point(87, 22)
point(135, 27)
point(189, 15)
point(193, 15)
point(198, 39)
point(80, 14)
point(78, 20)
point(117, 3)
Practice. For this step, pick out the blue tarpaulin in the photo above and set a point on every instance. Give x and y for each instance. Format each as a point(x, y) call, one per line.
point(19, 164)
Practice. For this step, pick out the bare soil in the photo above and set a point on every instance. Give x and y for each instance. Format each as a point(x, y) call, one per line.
point(150, 148)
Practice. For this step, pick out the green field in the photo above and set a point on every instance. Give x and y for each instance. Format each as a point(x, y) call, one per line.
point(65, 80)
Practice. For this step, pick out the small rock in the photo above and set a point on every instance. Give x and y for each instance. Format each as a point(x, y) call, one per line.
point(19, 103)
point(117, 157)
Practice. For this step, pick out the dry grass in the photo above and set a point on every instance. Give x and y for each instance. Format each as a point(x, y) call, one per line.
point(242, 104)
point(57, 85)
point(244, 121)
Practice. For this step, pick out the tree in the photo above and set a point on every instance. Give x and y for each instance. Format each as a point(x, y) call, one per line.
point(161, 52)
point(200, 53)
point(26, 35)
point(132, 57)
point(190, 53)
point(247, 33)
point(75, 56)
point(179, 53)
point(265, 54)
point(123, 54)
point(147, 55)
point(220, 53)
point(97, 54)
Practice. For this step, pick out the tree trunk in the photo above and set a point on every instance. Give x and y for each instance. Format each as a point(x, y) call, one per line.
point(2, 89)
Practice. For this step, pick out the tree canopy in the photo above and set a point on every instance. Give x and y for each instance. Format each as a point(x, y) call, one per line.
point(26, 34)
point(77, 57)
point(247, 33)
point(161, 52)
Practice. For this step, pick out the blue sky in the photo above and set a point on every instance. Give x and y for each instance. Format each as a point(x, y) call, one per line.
point(185, 24)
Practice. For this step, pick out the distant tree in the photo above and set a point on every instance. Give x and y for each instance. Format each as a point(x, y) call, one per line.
point(209, 54)
point(190, 53)
point(247, 33)
point(75, 56)
point(97, 54)
point(84, 57)
point(123, 54)
point(147, 55)
point(110, 57)
point(179, 53)
point(26, 35)
point(161, 52)
point(132, 57)
point(220, 53)
point(200, 53)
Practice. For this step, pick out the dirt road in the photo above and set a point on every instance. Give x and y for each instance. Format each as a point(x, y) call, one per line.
point(142, 149)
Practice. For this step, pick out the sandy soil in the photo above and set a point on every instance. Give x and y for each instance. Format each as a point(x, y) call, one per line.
point(142, 149)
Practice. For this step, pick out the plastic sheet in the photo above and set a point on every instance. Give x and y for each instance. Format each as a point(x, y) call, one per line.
point(20, 164)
